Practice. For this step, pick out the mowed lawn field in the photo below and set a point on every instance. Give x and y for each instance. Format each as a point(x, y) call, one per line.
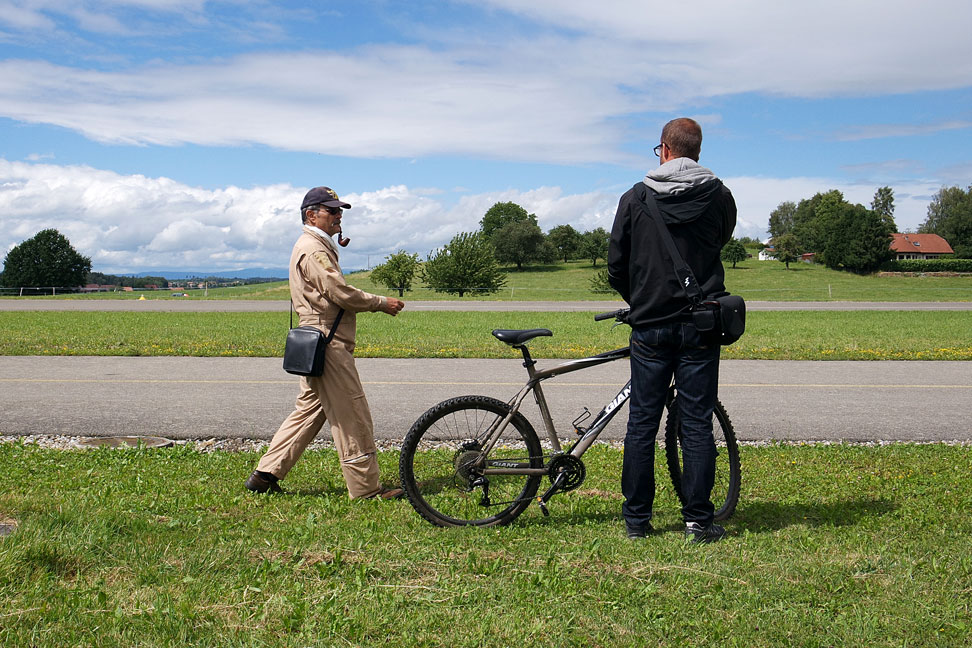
point(806, 335)
point(830, 546)
point(810, 335)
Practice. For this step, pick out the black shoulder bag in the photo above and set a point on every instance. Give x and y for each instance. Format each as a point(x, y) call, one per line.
point(304, 351)
point(720, 319)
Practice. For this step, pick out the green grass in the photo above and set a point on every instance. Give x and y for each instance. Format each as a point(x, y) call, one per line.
point(754, 280)
point(830, 546)
point(800, 335)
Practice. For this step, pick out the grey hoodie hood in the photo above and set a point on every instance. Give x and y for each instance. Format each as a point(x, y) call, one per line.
point(678, 175)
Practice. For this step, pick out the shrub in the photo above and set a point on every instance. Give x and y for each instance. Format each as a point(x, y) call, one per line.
point(599, 282)
point(931, 265)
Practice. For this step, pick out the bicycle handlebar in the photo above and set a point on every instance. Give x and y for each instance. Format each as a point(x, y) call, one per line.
point(621, 315)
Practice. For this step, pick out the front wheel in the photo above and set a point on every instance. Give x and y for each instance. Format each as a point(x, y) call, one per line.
point(725, 490)
point(442, 462)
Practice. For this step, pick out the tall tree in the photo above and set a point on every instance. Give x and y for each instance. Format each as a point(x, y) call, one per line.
point(566, 239)
point(809, 216)
point(786, 249)
point(594, 245)
point(883, 206)
point(503, 213)
point(47, 259)
point(781, 219)
point(950, 216)
point(855, 239)
point(397, 272)
point(465, 264)
point(733, 252)
point(521, 242)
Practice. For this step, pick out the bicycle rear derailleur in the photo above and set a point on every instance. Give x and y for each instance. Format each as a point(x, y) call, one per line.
point(566, 472)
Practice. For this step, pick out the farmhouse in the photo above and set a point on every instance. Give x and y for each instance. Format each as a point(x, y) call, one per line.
point(919, 246)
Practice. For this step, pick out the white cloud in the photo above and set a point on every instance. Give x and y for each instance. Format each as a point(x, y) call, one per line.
point(816, 48)
point(134, 223)
point(877, 131)
point(23, 16)
point(559, 95)
point(99, 16)
point(384, 102)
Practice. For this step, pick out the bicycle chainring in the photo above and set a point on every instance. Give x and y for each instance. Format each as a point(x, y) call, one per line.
point(572, 468)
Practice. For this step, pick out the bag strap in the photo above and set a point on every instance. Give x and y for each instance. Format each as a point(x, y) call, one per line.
point(330, 336)
point(337, 320)
point(686, 278)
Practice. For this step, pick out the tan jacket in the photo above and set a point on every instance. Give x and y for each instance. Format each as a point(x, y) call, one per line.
point(319, 291)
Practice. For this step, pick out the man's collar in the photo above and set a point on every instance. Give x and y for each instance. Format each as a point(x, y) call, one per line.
point(324, 235)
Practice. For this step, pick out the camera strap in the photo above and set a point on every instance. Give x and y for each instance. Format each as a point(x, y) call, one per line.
point(686, 278)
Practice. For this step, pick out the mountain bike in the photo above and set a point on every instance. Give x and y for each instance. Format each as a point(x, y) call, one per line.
point(475, 460)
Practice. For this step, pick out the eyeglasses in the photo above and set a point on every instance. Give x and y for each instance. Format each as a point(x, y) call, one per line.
point(333, 211)
point(658, 149)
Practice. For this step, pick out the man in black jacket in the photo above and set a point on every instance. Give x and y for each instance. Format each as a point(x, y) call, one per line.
point(700, 213)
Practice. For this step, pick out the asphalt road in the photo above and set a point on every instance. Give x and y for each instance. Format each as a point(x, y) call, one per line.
point(239, 306)
point(248, 397)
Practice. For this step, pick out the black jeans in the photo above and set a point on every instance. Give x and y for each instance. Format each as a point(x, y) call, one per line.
point(656, 354)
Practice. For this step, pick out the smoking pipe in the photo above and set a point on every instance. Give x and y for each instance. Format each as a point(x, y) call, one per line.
point(343, 242)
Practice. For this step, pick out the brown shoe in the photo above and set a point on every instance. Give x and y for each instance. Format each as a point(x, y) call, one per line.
point(262, 482)
point(387, 493)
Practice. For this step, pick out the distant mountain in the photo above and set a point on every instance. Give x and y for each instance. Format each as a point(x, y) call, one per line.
point(246, 273)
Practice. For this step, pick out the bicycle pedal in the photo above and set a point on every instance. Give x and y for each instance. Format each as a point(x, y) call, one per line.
point(543, 507)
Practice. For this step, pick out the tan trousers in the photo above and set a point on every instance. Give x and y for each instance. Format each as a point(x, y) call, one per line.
point(338, 397)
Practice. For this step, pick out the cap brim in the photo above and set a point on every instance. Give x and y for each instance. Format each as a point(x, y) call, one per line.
point(337, 203)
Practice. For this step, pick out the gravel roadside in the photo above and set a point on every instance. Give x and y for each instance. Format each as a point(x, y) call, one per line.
point(60, 442)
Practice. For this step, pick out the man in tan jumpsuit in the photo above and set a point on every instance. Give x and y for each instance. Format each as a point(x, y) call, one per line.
point(319, 291)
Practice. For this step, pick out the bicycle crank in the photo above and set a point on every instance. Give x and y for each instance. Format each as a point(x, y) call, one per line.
point(566, 473)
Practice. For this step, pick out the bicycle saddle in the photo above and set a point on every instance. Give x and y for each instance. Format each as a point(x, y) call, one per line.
point(517, 336)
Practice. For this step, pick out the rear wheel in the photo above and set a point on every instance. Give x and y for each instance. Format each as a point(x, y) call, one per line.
point(442, 462)
point(725, 490)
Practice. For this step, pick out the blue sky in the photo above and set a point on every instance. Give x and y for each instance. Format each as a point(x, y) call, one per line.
point(181, 134)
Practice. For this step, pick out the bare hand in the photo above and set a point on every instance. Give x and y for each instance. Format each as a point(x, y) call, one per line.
point(392, 306)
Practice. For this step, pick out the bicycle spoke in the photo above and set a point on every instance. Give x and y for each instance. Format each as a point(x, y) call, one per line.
point(442, 463)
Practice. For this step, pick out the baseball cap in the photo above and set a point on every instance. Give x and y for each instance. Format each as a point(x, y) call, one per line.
point(323, 196)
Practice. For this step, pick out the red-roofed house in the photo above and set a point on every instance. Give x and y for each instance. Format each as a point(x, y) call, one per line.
point(919, 246)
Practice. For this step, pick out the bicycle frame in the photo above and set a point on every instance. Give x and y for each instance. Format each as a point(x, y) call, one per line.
point(442, 488)
point(533, 385)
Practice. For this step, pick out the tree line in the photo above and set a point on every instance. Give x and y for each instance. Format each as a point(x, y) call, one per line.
point(846, 236)
point(471, 261)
